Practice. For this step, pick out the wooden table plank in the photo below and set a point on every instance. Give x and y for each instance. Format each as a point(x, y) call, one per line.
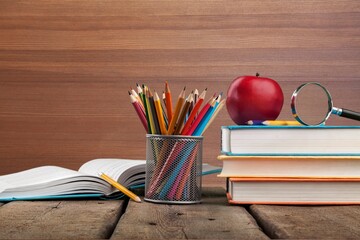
point(213, 218)
point(59, 219)
point(308, 222)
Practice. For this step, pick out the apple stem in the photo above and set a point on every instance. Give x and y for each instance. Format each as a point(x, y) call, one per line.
point(257, 74)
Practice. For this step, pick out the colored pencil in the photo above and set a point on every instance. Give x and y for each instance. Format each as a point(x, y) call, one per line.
point(196, 95)
point(146, 108)
point(153, 113)
point(134, 93)
point(150, 117)
point(139, 111)
point(273, 123)
point(120, 187)
point(175, 116)
point(168, 100)
point(160, 114)
point(194, 112)
point(200, 128)
point(217, 110)
point(139, 91)
point(199, 117)
point(183, 113)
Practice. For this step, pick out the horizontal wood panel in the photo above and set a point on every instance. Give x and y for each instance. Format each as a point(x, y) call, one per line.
point(139, 7)
point(66, 67)
point(178, 39)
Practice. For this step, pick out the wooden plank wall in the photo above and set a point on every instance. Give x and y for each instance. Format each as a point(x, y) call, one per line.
point(66, 66)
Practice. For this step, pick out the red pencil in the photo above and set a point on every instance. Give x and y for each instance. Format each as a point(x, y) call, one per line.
point(139, 111)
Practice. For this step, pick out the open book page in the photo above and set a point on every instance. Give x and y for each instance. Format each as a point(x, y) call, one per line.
point(35, 176)
point(127, 172)
point(49, 181)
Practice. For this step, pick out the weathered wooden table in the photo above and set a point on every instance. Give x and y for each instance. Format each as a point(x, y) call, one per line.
point(214, 218)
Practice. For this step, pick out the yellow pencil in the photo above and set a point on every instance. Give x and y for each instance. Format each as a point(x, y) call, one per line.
point(118, 186)
point(159, 114)
point(274, 123)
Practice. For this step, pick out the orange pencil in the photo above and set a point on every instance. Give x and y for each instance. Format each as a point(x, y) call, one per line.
point(168, 100)
point(184, 111)
point(178, 107)
point(194, 112)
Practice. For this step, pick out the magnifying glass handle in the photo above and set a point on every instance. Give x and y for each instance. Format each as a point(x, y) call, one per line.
point(342, 112)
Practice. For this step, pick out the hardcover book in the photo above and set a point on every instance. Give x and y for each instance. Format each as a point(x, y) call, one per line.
point(291, 166)
point(290, 140)
point(303, 191)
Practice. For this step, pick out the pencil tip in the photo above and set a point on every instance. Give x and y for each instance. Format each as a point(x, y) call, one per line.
point(129, 92)
point(137, 199)
point(205, 89)
point(184, 88)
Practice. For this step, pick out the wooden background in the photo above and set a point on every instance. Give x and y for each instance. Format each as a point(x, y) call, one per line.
point(66, 67)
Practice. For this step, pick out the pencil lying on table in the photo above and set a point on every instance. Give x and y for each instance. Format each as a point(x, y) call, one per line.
point(120, 187)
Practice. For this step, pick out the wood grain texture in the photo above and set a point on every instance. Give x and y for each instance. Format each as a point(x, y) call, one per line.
point(66, 66)
point(59, 219)
point(303, 222)
point(212, 219)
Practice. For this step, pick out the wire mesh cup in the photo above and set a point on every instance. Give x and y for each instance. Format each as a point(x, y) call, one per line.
point(173, 169)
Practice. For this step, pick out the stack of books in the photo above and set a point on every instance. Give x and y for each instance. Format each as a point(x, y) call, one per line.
point(291, 164)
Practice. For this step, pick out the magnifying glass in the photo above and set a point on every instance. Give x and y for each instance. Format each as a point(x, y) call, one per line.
point(312, 104)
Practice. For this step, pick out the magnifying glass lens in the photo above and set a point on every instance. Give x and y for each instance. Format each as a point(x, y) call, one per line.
point(312, 104)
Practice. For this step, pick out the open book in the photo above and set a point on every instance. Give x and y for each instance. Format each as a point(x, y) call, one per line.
point(52, 182)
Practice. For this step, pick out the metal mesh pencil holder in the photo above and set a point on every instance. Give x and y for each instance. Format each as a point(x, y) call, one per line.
point(173, 169)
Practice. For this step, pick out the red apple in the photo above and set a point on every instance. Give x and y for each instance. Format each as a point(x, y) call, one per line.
point(254, 98)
